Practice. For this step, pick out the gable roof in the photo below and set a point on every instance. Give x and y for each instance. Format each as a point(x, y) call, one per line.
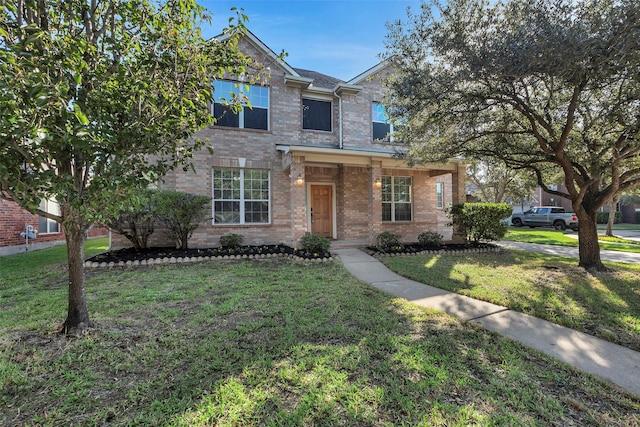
point(305, 78)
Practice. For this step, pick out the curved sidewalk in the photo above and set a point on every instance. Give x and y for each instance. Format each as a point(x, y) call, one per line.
point(609, 361)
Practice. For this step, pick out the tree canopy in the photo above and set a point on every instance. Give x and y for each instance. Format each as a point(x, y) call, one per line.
point(544, 85)
point(98, 98)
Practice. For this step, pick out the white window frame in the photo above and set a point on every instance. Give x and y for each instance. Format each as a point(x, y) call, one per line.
point(52, 207)
point(439, 195)
point(242, 200)
point(376, 106)
point(393, 202)
point(238, 88)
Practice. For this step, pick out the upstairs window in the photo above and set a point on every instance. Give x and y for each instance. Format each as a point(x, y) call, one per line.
point(254, 100)
point(46, 225)
point(396, 198)
point(382, 127)
point(316, 114)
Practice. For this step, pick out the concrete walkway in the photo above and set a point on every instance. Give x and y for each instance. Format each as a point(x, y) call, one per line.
point(571, 252)
point(611, 362)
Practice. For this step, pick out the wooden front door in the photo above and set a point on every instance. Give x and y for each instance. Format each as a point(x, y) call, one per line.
point(321, 210)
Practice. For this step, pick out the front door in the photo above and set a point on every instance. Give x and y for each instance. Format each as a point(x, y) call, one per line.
point(321, 210)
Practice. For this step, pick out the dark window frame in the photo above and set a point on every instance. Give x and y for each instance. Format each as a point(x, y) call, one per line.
point(314, 114)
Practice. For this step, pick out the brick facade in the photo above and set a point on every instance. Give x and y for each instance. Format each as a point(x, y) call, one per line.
point(13, 221)
point(346, 158)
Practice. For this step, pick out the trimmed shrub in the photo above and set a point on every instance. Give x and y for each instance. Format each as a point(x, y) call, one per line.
point(387, 240)
point(315, 243)
point(603, 218)
point(182, 213)
point(479, 221)
point(430, 238)
point(135, 218)
point(231, 241)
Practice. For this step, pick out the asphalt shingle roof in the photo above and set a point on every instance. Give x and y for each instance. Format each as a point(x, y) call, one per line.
point(319, 79)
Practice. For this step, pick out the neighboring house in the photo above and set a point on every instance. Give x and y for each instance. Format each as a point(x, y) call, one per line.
point(14, 220)
point(314, 154)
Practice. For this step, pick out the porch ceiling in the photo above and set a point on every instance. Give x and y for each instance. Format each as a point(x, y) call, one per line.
point(361, 157)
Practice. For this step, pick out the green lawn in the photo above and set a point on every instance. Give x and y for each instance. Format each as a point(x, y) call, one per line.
point(268, 342)
point(561, 238)
point(606, 305)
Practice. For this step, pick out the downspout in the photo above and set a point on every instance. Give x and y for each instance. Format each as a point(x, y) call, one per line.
point(341, 145)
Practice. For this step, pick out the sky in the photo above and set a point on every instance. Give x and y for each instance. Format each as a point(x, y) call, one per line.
point(340, 38)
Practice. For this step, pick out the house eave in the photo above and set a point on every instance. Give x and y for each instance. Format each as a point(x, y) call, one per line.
point(297, 81)
point(361, 157)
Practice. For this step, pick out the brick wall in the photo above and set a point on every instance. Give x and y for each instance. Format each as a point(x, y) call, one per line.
point(358, 201)
point(13, 220)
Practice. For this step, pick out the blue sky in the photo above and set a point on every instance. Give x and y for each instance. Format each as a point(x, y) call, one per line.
point(341, 38)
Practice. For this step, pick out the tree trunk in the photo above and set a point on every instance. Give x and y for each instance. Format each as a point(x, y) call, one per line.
point(77, 313)
point(588, 247)
point(612, 215)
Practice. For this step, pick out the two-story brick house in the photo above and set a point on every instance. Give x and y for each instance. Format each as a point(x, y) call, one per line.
point(310, 156)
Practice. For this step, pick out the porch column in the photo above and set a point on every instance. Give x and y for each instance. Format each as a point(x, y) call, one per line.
point(458, 193)
point(375, 201)
point(298, 200)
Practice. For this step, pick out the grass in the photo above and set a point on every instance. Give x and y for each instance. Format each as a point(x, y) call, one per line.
point(561, 238)
point(606, 304)
point(269, 342)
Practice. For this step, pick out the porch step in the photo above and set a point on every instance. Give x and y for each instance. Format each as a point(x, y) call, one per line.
point(349, 243)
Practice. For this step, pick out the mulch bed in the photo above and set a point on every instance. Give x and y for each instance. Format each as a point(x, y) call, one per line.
point(416, 248)
point(132, 254)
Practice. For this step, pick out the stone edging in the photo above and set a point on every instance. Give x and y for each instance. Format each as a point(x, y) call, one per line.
point(440, 252)
point(181, 260)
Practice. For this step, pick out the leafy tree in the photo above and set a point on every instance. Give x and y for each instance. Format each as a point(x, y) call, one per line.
point(99, 98)
point(496, 183)
point(182, 213)
point(545, 85)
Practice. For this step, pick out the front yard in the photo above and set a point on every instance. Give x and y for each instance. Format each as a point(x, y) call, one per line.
point(276, 342)
point(606, 304)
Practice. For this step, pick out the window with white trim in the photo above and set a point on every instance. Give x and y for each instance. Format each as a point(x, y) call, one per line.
point(240, 196)
point(254, 100)
point(397, 198)
point(382, 127)
point(46, 225)
point(439, 194)
point(316, 114)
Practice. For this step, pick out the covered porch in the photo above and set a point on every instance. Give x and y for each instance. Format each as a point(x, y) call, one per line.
point(342, 193)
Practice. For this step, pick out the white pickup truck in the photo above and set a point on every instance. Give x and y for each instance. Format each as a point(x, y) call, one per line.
point(546, 216)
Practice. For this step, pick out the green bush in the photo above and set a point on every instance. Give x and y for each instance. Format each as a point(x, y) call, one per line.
point(430, 238)
point(315, 243)
point(479, 221)
point(231, 241)
point(182, 213)
point(135, 218)
point(603, 218)
point(387, 240)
